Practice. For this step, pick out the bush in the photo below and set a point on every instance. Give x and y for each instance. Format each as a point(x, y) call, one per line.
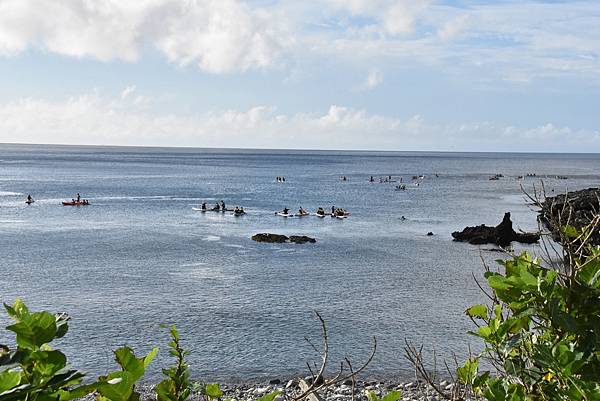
point(33, 371)
point(542, 329)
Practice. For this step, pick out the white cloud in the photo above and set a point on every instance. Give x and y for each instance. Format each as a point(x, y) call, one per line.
point(391, 17)
point(373, 80)
point(529, 39)
point(94, 119)
point(217, 35)
point(127, 91)
point(453, 28)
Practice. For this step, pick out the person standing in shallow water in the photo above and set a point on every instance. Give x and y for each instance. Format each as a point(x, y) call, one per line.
point(78, 197)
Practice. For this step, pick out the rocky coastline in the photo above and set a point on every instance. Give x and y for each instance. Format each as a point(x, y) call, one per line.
point(410, 391)
point(576, 208)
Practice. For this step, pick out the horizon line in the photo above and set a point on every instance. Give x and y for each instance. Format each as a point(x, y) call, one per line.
point(292, 149)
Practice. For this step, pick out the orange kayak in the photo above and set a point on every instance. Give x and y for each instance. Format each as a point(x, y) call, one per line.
point(74, 204)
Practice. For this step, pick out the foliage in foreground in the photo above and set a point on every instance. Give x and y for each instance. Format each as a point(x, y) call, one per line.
point(542, 329)
point(33, 371)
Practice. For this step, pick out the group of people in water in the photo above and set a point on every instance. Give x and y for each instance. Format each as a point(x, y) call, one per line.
point(335, 212)
point(220, 207)
point(280, 179)
point(74, 201)
point(78, 201)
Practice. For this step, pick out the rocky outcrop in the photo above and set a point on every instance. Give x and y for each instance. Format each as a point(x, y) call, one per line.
point(302, 239)
point(280, 239)
point(502, 235)
point(576, 208)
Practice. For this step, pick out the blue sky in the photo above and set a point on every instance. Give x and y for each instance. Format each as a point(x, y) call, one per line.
point(324, 74)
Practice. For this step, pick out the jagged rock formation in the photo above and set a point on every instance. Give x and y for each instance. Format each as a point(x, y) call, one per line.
point(577, 208)
point(502, 235)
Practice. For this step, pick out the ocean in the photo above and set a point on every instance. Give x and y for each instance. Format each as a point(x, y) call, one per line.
point(139, 256)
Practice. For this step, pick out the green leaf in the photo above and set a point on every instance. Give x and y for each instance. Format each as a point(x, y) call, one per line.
point(9, 379)
point(49, 362)
point(468, 372)
point(479, 311)
point(570, 231)
point(270, 396)
point(18, 310)
point(213, 390)
point(165, 391)
point(590, 274)
point(129, 363)
point(34, 330)
point(392, 396)
point(372, 396)
point(150, 357)
point(118, 386)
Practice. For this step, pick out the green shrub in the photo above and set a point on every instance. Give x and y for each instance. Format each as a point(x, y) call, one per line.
point(33, 371)
point(177, 386)
point(542, 329)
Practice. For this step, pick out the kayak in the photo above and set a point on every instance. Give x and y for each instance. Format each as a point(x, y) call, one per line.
point(302, 214)
point(197, 209)
point(239, 213)
point(284, 214)
point(29, 202)
point(74, 204)
point(320, 215)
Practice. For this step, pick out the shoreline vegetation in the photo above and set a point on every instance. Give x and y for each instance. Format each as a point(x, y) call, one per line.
point(539, 330)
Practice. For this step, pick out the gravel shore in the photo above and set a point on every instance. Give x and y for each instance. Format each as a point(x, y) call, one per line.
point(411, 391)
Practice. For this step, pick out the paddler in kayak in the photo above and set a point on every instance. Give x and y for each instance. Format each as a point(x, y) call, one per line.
point(222, 206)
point(285, 210)
point(321, 211)
point(301, 211)
point(29, 199)
point(203, 206)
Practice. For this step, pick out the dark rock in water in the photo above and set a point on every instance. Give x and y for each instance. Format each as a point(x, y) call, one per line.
point(271, 238)
point(429, 233)
point(502, 235)
point(280, 239)
point(576, 208)
point(302, 239)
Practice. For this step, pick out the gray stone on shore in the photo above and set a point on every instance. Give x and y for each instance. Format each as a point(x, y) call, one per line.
point(413, 390)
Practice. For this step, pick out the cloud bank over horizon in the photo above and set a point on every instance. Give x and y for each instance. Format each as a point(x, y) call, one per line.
point(352, 74)
point(93, 119)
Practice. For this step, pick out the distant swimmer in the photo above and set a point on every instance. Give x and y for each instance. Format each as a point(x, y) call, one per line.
point(402, 218)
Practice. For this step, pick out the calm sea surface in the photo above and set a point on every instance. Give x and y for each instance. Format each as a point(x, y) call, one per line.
point(139, 256)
